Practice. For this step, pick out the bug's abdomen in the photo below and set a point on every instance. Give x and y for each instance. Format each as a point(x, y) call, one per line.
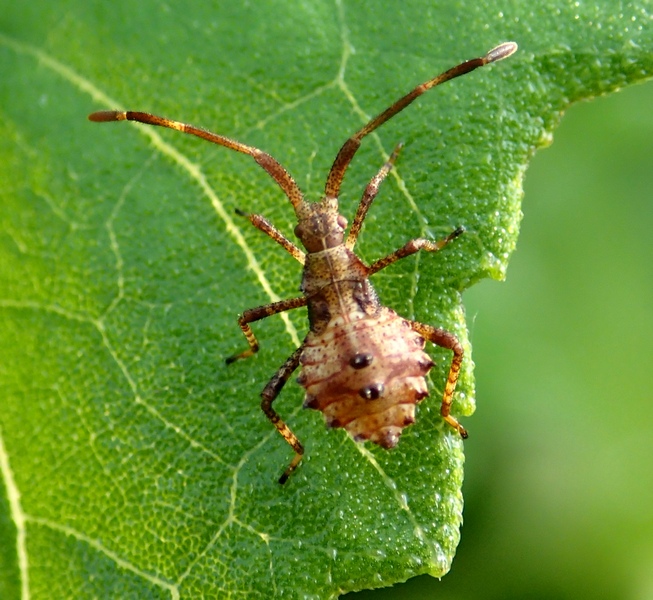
point(366, 373)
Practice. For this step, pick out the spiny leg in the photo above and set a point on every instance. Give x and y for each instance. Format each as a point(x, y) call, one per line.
point(256, 314)
point(268, 395)
point(260, 222)
point(412, 247)
point(447, 340)
point(267, 162)
point(370, 193)
point(349, 148)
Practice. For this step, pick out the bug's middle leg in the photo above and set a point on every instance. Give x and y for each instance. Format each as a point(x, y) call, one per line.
point(268, 395)
point(412, 247)
point(256, 314)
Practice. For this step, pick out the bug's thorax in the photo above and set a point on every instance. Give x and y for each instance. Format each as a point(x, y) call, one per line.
point(335, 280)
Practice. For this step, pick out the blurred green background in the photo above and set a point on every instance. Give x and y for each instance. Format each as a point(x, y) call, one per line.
point(559, 471)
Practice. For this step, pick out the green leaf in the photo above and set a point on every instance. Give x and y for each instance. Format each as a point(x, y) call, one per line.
point(133, 462)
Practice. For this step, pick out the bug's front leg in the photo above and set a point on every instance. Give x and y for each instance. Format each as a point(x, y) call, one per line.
point(369, 195)
point(445, 339)
point(268, 395)
point(262, 224)
point(256, 314)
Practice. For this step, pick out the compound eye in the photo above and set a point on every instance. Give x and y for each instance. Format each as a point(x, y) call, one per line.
point(342, 222)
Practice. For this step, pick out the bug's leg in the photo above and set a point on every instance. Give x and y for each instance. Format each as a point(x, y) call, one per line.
point(414, 246)
point(256, 314)
point(447, 340)
point(370, 193)
point(268, 395)
point(260, 222)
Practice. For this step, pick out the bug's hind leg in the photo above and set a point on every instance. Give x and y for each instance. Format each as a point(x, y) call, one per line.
point(268, 395)
point(447, 340)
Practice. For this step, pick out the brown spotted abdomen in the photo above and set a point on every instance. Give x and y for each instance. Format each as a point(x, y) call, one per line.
point(366, 373)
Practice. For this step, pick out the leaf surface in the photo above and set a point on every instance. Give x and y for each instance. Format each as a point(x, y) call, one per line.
point(134, 463)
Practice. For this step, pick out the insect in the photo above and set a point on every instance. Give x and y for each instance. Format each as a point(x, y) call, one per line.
point(361, 364)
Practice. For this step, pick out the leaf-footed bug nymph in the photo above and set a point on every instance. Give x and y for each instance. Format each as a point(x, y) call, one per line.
point(361, 364)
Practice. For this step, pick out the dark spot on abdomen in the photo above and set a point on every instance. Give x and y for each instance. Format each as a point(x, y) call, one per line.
point(372, 391)
point(362, 360)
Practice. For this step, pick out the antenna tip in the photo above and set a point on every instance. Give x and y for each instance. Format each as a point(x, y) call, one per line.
point(102, 116)
point(501, 51)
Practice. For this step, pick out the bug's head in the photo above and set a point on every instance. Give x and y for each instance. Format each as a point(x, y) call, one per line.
point(320, 225)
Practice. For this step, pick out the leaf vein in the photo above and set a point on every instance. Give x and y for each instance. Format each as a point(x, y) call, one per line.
point(114, 556)
point(17, 516)
point(192, 169)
